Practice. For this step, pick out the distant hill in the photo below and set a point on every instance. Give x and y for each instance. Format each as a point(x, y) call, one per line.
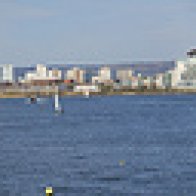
point(145, 68)
point(151, 68)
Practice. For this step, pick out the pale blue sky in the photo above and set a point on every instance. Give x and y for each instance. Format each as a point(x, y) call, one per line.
point(109, 31)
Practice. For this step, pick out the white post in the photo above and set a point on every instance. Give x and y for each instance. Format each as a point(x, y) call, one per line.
point(56, 101)
point(56, 98)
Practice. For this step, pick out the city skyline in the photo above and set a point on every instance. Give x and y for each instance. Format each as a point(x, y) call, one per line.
point(95, 31)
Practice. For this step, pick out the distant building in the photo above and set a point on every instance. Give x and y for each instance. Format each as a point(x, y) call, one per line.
point(55, 74)
point(167, 79)
point(124, 76)
point(84, 88)
point(42, 75)
point(134, 82)
point(139, 80)
point(76, 74)
point(41, 71)
point(147, 82)
point(159, 81)
point(188, 77)
point(176, 73)
point(95, 79)
point(184, 73)
point(104, 74)
point(6, 73)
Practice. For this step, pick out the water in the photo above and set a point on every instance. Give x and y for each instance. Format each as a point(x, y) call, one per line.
point(119, 145)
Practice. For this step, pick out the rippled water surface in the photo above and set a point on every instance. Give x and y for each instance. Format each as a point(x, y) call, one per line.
point(118, 145)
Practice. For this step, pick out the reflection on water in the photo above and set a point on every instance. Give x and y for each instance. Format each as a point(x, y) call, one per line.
point(120, 145)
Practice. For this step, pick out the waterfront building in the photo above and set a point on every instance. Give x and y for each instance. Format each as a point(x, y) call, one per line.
point(167, 79)
point(55, 74)
point(95, 79)
point(42, 75)
point(147, 82)
point(76, 74)
point(86, 88)
point(184, 73)
point(41, 71)
point(188, 77)
point(139, 80)
point(6, 73)
point(176, 73)
point(104, 75)
point(124, 76)
point(39, 74)
point(134, 82)
point(159, 81)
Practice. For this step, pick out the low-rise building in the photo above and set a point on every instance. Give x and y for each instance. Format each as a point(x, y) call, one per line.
point(76, 74)
point(86, 88)
point(55, 74)
point(42, 76)
point(123, 76)
point(95, 79)
point(104, 76)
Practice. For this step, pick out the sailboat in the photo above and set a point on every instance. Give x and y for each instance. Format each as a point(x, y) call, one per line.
point(57, 106)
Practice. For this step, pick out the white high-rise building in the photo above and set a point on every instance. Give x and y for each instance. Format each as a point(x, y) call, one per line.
point(184, 74)
point(41, 71)
point(104, 74)
point(6, 73)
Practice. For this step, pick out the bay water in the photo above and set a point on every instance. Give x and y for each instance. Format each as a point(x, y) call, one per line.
point(104, 145)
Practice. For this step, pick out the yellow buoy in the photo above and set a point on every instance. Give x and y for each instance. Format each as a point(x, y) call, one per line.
point(122, 162)
point(48, 191)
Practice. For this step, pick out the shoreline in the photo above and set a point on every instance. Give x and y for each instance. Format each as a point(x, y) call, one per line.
point(109, 93)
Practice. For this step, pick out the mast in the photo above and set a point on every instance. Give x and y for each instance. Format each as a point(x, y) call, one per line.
point(56, 99)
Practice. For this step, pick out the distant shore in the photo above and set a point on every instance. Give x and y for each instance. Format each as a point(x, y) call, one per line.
point(109, 93)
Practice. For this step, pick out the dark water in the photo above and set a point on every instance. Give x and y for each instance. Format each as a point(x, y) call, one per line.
point(120, 145)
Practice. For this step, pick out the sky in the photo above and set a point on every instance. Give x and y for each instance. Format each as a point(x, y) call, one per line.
point(95, 31)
